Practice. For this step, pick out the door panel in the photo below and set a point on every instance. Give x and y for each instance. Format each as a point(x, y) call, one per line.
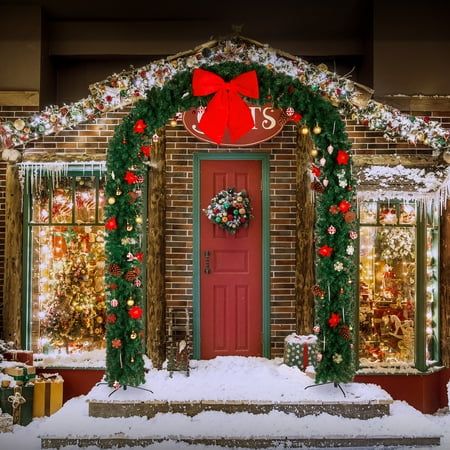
point(231, 293)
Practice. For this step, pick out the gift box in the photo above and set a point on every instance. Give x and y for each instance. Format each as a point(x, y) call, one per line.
point(300, 351)
point(21, 374)
point(48, 395)
point(23, 356)
point(18, 402)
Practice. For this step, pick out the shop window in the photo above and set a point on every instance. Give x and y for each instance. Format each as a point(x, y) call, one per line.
point(398, 284)
point(65, 262)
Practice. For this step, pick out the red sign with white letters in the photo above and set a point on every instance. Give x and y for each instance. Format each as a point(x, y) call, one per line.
point(268, 123)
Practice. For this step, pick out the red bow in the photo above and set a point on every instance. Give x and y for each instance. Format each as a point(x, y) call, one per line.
point(226, 108)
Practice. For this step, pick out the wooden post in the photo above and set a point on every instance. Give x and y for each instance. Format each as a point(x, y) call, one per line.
point(304, 272)
point(445, 287)
point(156, 300)
point(12, 289)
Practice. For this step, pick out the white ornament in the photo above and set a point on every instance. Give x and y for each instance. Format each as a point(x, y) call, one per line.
point(331, 230)
point(322, 161)
point(325, 182)
point(290, 111)
point(350, 250)
point(338, 266)
point(353, 234)
point(155, 138)
point(330, 149)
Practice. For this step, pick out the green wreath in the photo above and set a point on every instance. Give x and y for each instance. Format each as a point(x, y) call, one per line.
point(230, 210)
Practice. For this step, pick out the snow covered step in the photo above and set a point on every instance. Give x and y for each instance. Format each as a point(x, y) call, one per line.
point(175, 442)
point(354, 410)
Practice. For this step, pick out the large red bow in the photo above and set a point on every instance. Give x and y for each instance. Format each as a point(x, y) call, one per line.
point(226, 108)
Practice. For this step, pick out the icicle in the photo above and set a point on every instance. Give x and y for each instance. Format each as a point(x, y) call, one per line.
point(343, 315)
point(329, 293)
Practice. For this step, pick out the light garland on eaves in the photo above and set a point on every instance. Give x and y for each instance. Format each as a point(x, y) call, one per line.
point(120, 90)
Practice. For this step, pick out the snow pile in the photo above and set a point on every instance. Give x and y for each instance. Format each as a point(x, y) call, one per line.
point(448, 394)
point(308, 339)
point(94, 359)
point(240, 378)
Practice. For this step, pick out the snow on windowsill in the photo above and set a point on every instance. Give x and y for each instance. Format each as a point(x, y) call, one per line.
point(94, 359)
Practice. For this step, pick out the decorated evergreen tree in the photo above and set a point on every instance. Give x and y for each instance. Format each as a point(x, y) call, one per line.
point(74, 313)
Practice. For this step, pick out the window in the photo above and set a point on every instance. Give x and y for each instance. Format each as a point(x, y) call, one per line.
point(398, 283)
point(65, 261)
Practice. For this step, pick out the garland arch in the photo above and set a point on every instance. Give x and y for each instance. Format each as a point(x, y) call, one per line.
point(335, 229)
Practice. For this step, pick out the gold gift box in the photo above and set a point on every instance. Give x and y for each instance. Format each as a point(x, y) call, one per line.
point(22, 374)
point(48, 396)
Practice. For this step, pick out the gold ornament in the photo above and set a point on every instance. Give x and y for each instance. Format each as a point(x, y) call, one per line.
point(130, 302)
point(19, 124)
point(132, 359)
point(129, 227)
point(111, 200)
point(139, 220)
point(118, 191)
point(420, 137)
point(314, 152)
point(304, 131)
point(317, 129)
point(322, 67)
point(133, 335)
point(173, 123)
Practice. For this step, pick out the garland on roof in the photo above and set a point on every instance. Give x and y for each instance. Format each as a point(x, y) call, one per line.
point(331, 176)
point(125, 88)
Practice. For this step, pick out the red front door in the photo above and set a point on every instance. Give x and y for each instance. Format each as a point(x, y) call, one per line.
point(231, 293)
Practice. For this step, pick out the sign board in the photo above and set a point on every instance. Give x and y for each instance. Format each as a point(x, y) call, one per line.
point(268, 123)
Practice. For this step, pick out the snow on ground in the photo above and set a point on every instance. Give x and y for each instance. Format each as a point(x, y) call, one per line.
point(239, 378)
point(230, 378)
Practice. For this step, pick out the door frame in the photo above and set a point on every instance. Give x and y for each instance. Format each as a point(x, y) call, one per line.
point(265, 244)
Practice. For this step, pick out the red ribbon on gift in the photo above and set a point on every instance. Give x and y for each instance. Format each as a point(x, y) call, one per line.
point(226, 109)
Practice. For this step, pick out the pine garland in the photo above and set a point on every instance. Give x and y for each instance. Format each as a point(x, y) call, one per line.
point(126, 167)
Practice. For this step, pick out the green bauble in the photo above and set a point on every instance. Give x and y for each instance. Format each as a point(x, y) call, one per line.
point(218, 219)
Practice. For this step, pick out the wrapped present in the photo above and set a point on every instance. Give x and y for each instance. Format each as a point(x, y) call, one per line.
point(21, 374)
point(48, 395)
point(23, 356)
point(18, 402)
point(300, 351)
point(6, 423)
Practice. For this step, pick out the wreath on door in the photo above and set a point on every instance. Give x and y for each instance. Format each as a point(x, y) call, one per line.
point(230, 210)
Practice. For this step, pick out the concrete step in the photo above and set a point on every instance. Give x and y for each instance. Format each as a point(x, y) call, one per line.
point(256, 443)
point(352, 410)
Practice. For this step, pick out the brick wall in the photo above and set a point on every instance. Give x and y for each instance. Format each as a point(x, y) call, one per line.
point(90, 142)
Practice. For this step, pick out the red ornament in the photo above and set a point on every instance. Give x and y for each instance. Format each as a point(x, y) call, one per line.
point(296, 117)
point(111, 318)
point(426, 119)
point(139, 126)
point(116, 343)
point(333, 209)
point(349, 217)
point(111, 224)
point(130, 177)
point(344, 206)
point(226, 109)
point(113, 286)
point(342, 157)
point(140, 256)
point(146, 150)
point(315, 171)
point(334, 320)
point(325, 251)
point(135, 312)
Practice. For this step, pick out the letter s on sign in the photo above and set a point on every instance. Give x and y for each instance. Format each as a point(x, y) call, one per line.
point(269, 122)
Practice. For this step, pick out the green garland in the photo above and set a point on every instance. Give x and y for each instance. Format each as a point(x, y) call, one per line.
point(126, 159)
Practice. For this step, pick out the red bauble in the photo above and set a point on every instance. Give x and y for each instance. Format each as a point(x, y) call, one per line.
point(139, 126)
point(296, 117)
point(333, 209)
point(146, 150)
point(334, 320)
point(135, 312)
point(140, 256)
point(111, 224)
point(315, 171)
point(344, 206)
point(342, 157)
point(426, 119)
point(349, 216)
point(113, 286)
point(325, 251)
point(130, 177)
point(111, 318)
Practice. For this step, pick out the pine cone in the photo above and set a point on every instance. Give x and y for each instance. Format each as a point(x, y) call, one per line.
point(317, 186)
point(317, 291)
point(115, 270)
point(132, 274)
point(345, 332)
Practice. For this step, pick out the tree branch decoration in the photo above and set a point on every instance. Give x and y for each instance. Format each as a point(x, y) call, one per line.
point(229, 210)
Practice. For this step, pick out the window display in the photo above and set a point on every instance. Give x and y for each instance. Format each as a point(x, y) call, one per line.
point(67, 263)
point(391, 297)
